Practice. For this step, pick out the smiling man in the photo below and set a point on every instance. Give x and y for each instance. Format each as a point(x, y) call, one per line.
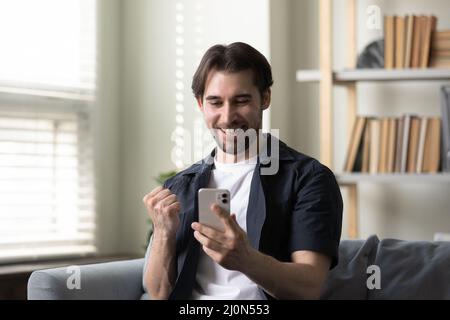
point(231, 105)
point(283, 233)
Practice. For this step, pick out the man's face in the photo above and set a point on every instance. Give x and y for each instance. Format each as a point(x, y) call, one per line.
point(232, 101)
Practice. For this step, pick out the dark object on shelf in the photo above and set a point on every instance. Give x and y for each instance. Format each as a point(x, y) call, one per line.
point(372, 56)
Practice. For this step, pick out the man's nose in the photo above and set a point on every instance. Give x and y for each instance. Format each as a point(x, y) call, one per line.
point(228, 113)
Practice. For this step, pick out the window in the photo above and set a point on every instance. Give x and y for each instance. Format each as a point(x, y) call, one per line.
point(47, 93)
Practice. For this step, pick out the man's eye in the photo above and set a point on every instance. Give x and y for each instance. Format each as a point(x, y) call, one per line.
point(215, 103)
point(242, 101)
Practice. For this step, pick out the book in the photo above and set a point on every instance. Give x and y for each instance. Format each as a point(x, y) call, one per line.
point(413, 144)
point(384, 137)
point(366, 149)
point(408, 40)
point(399, 42)
point(415, 58)
point(441, 54)
point(440, 45)
point(445, 118)
point(441, 35)
point(389, 42)
point(351, 142)
point(440, 49)
point(357, 167)
point(399, 143)
point(432, 146)
point(354, 143)
point(405, 142)
point(439, 63)
point(390, 165)
point(420, 152)
point(429, 26)
point(375, 129)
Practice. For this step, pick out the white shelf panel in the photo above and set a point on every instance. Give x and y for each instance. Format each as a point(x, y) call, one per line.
point(392, 75)
point(377, 75)
point(353, 178)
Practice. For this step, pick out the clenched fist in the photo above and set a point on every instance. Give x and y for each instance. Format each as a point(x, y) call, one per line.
point(163, 208)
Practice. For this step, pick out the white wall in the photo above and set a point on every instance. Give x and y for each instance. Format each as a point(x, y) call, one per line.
point(413, 211)
point(282, 70)
point(304, 111)
point(148, 80)
point(107, 152)
point(146, 109)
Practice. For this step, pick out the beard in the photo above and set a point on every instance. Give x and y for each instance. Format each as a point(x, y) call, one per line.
point(234, 141)
point(237, 137)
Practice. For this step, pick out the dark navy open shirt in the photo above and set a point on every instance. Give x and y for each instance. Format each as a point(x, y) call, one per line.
point(297, 208)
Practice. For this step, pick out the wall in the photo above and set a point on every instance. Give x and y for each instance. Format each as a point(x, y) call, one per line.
point(304, 112)
point(107, 152)
point(149, 83)
point(282, 70)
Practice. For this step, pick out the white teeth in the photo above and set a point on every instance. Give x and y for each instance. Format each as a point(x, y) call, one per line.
point(230, 131)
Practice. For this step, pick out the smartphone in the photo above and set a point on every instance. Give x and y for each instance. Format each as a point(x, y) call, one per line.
point(206, 198)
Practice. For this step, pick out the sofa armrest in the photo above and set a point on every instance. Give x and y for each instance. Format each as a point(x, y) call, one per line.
point(118, 280)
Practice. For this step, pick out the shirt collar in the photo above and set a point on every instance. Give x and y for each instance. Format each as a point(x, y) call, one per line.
point(264, 158)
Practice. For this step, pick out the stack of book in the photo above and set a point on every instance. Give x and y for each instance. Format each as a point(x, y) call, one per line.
point(407, 41)
point(440, 49)
point(409, 144)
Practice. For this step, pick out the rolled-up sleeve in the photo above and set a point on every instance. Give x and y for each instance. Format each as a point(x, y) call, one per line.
point(317, 213)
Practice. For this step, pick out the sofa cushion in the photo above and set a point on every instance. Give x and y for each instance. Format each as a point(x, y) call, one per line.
point(348, 279)
point(413, 270)
point(118, 280)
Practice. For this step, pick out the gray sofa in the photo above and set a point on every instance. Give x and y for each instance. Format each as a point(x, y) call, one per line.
point(407, 269)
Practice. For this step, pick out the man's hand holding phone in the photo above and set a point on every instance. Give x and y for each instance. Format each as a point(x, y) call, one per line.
point(163, 208)
point(228, 244)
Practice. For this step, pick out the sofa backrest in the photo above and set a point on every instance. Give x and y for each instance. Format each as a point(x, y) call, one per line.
point(408, 270)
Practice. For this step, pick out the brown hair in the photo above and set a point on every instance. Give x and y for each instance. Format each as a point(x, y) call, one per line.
point(235, 57)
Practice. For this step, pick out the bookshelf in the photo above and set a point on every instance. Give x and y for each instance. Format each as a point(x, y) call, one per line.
point(349, 77)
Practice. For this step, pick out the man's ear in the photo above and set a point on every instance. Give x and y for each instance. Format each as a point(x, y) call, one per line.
point(200, 103)
point(266, 96)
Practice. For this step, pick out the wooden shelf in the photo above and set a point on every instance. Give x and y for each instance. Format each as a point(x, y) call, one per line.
point(355, 75)
point(354, 178)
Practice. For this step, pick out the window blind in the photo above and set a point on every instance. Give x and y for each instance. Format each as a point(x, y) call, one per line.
point(47, 96)
point(48, 44)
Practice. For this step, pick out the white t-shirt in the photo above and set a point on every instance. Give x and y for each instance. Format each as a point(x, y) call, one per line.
point(212, 280)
